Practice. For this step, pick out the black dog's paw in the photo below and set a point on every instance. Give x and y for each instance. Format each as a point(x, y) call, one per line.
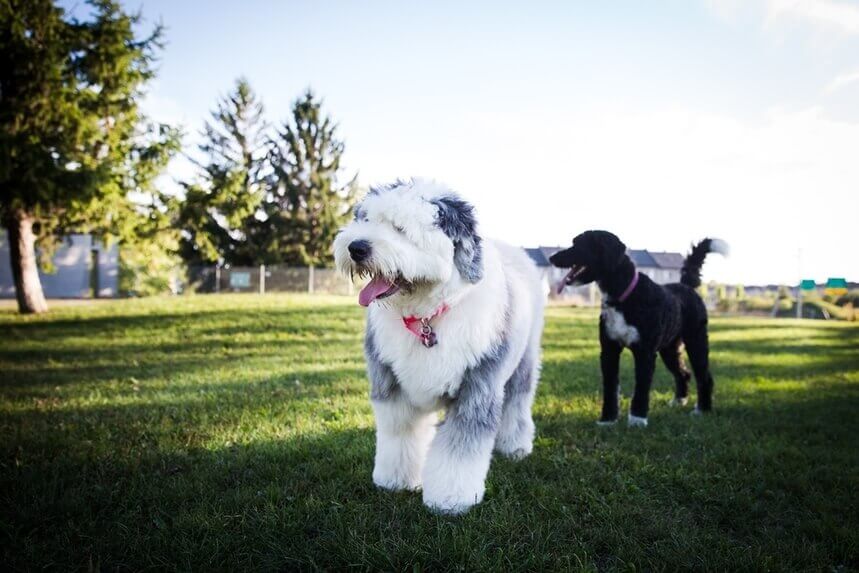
point(698, 411)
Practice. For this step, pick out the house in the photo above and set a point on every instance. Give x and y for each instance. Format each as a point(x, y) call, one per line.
point(84, 268)
point(661, 267)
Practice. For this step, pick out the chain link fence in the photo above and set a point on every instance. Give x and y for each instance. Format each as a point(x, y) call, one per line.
point(265, 278)
point(283, 278)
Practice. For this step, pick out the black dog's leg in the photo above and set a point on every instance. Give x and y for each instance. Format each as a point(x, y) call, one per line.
point(698, 349)
point(645, 362)
point(610, 364)
point(673, 359)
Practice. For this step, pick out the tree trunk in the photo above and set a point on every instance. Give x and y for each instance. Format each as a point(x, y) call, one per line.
point(25, 270)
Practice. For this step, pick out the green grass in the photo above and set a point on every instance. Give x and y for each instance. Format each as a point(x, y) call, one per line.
point(234, 432)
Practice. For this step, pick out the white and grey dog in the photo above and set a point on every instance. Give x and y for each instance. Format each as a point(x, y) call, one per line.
point(454, 323)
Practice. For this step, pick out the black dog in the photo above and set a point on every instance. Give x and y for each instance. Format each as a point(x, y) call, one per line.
point(646, 317)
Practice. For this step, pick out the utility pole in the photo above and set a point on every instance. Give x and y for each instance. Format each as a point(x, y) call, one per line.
point(799, 284)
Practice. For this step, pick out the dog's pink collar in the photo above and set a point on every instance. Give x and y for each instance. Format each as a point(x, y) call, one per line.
point(420, 326)
point(629, 289)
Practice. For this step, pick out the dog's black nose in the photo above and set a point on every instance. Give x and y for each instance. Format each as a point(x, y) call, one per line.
point(359, 250)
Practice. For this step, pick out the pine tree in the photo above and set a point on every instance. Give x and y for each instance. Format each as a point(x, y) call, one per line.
point(307, 200)
point(73, 144)
point(217, 206)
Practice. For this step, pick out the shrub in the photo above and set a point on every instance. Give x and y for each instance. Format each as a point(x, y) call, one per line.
point(850, 297)
point(817, 308)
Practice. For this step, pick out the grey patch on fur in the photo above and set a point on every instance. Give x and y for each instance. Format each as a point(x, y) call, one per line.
point(520, 381)
point(475, 412)
point(359, 213)
point(383, 381)
point(456, 219)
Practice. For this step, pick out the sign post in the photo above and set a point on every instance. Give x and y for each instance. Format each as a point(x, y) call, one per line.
point(804, 285)
point(240, 280)
point(835, 286)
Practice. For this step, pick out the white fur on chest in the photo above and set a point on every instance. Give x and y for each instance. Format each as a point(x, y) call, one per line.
point(617, 328)
point(465, 333)
point(427, 374)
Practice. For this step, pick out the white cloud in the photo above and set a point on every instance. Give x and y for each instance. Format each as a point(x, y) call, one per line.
point(840, 81)
point(830, 14)
point(823, 15)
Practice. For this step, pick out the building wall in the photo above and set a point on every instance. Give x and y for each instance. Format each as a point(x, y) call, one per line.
point(72, 277)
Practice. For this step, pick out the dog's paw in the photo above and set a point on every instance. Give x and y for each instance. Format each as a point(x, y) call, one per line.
point(396, 483)
point(454, 501)
point(606, 423)
point(698, 411)
point(452, 488)
point(514, 453)
point(451, 506)
point(515, 447)
point(393, 480)
point(636, 422)
point(515, 440)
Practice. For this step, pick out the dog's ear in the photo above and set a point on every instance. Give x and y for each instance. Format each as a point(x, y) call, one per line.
point(612, 250)
point(358, 212)
point(456, 219)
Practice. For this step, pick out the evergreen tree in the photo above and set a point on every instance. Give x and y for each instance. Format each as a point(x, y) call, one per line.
point(307, 201)
point(216, 208)
point(149, 243)
point(73, 144)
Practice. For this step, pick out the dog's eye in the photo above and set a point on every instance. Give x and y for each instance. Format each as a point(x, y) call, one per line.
point(399, 229)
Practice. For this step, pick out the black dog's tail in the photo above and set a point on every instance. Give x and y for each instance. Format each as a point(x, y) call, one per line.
point(690, 275)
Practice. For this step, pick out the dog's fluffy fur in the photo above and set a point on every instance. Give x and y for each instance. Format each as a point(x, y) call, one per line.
point(652, 319)
point(418, 243)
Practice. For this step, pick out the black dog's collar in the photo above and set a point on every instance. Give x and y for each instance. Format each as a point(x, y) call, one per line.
point(629, 289)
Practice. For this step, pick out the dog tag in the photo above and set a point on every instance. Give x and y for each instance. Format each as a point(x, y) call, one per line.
point(429, 340)
point(428, 337)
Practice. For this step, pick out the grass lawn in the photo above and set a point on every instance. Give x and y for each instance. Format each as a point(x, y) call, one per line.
point(234, 432)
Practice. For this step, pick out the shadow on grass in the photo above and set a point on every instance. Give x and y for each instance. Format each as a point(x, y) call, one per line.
point(757, 485)
point(270, 504)
point(166, 362)
point(141, 460)
point(165, 347)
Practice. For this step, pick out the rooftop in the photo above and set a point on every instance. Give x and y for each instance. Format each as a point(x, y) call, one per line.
point(642, 259)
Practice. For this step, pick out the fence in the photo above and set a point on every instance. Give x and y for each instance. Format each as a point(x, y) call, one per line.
point(265, 278)
point(282, 278)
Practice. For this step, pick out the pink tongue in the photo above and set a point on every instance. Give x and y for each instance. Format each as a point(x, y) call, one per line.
point(563, 284)
point(376, 287)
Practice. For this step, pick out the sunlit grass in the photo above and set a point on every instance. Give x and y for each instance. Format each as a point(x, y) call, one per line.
point(235, 432)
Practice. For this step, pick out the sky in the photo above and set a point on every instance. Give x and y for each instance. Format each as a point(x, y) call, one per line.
point(662, 121)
